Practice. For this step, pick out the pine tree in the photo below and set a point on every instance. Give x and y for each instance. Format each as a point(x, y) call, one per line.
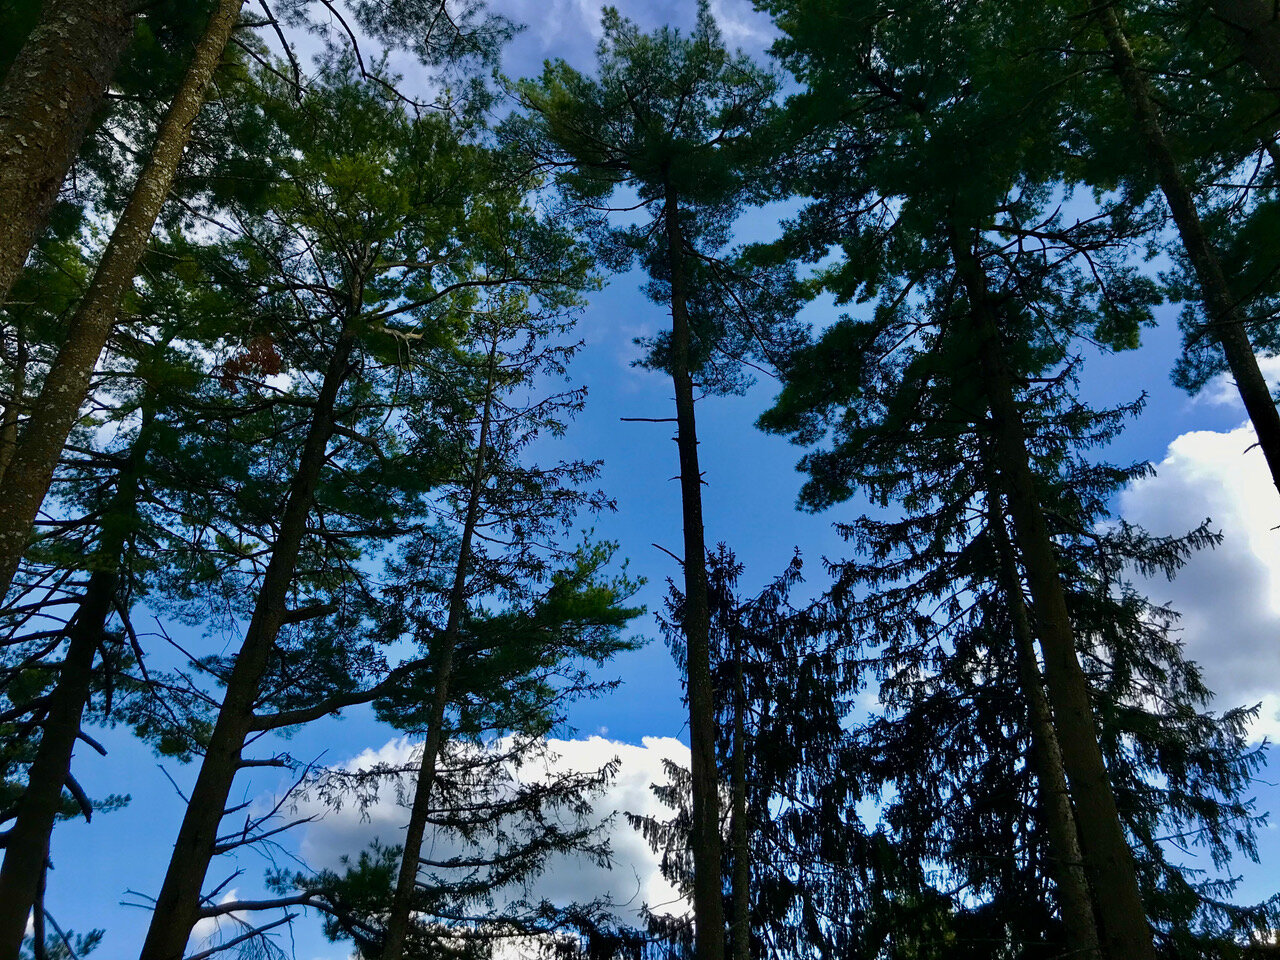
point(815, 879)
point(786, 691)
point(515, 671)
point(670, 118)
point(71, 630)
point(939, 593)
point(367, 257)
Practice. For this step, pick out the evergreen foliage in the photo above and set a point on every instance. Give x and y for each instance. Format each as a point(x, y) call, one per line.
point(285, 351)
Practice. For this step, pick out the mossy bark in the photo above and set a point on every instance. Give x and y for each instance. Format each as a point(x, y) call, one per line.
point(47, 100)
point(54, 412)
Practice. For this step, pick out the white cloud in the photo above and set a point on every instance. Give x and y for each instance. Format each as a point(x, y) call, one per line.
point(634, 879)
point(1221, 391)
point(556, 28)
point(207, 928)
point(743, 25)
point(1229, 598)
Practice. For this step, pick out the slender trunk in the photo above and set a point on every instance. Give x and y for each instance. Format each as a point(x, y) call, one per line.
point(402, 903)
point(39, 949)
point(54, 412)
point(28, 840)
point(48, 97)
point(708, 904)
point(1108, 859)
point(1066, 862)
point(1254, 25)
point(178, 905)
point(740, 836)
point(1226, 323)
point(13, 405)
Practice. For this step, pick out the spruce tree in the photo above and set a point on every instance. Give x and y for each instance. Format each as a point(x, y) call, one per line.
point(786, 688)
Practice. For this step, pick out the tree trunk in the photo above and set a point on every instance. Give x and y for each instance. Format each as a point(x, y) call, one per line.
point(13, 405)
point(1254, 25)
point(28, 840)
point(178, 905)
point(54, 412)
point(708, 904)
point(402, 904)
point(1108, 859)
point(1225, 320)
point(39, 948)
point(49, 95)
point(1066, 862)
point(740, 834)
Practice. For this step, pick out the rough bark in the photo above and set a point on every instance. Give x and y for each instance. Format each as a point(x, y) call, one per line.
point(1066, 862)
point(1254, 26)
point(708, 905)
point(398, 923)
point(48, 98)
point(178, 905)
point(54, 412)
point(1108, 860)
point(739, 833)
point(1226, 322)
point(28, 840)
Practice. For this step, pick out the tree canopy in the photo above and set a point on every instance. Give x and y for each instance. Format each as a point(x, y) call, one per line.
point(297, 449)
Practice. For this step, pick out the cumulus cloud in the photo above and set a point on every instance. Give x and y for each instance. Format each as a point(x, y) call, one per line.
point(634, 879)
point(1229, 598)
point(1221, 391)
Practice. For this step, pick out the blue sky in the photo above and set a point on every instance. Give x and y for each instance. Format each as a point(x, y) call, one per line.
point(1231, 597)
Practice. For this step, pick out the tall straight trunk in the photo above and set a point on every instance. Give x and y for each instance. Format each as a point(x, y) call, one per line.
point(1066, 862)
point(708, 904)
point(28, 840)
point(1126, 933)
point(54, 412)
point(177, 907)
point(47, 99)
point(402, 904)
point(1226, 323)
point(1254, 26)
point(740, 834)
